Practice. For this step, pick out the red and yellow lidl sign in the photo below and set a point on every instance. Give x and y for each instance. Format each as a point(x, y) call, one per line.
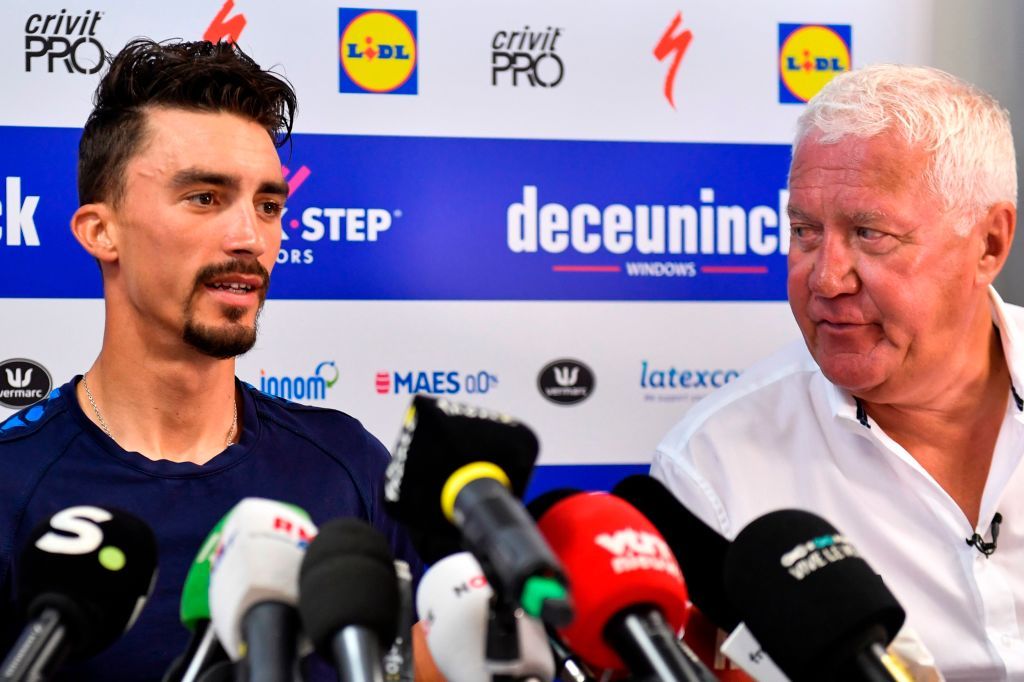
point(810, 55)
point(378, 52)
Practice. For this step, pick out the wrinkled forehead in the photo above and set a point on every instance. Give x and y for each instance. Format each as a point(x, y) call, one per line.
point(885, 160)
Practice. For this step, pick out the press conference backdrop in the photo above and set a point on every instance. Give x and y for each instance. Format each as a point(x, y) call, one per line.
point(570, 211)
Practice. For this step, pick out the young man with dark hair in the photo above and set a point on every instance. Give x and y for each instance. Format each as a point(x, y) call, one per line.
point(181, 194)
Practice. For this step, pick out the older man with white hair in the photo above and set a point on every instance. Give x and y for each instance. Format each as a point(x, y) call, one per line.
point(899, 418)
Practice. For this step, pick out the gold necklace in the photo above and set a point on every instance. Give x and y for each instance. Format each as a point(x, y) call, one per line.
point(106, 429)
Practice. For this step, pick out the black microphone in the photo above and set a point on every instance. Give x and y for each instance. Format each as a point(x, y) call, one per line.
point(978, 542)
point(457, 474)
point(82, 581)
point(812, 602)
point(348, 597)
point(699, 549)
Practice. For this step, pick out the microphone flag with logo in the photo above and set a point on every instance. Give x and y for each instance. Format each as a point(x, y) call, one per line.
point(82, 580)
point(810, 599)
point(457, 475)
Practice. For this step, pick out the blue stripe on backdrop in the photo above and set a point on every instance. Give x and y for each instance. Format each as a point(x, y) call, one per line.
point(581, 476)
point(412, 218)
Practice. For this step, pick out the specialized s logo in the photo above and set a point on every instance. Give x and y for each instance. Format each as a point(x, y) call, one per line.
point(634, 550)
point(809, 57)
point(378, 51)
point(223, 28)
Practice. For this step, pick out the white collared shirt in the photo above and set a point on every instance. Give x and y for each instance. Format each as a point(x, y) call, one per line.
point(782, 436)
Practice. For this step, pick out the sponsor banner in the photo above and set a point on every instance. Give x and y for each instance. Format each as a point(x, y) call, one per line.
point(497, 220)
point(811, 55)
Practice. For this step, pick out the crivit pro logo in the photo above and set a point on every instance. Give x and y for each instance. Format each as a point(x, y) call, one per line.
point(17, 216)
point(312, 387)
point(634, 550)
point(23, 383)
point(64, 39)
point(436, 382)
point(378, 51)
point(809, 57)
point(527, 57)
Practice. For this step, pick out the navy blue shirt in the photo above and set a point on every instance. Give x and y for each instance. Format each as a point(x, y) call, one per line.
point(53, 457)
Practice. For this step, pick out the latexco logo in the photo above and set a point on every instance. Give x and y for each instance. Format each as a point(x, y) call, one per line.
point(435, 382)
point(526, 57)
point(378, 51)
point(566, 382)
point(18, 224)
point(671, 383)
point(23, 383)
point(809, 57)
point(68, 39)
point(312, 387)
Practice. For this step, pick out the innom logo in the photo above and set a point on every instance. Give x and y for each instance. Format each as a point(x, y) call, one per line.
point(23, 383)
point(312, 387)
point(566, 382)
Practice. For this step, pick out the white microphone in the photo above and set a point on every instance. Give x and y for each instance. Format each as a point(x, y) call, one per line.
point(254, 586)
point(454, 601)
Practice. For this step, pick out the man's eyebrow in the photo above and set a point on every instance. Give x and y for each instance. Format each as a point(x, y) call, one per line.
point(279, 188)
point(865, 217)
point(196, 176)
point(794, 212)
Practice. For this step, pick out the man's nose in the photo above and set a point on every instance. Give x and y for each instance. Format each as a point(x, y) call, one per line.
point(835, 271)
point(245, 234)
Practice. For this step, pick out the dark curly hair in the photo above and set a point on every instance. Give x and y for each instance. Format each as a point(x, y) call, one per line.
point(199, 76)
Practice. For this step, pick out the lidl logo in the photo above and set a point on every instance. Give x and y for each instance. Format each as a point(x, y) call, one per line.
point(810, 55)
point(378, 51)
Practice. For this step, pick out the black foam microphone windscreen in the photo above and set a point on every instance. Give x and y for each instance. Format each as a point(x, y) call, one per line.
point(437, 438)
point(95, 566)
point(698, 547)
point(807, 595)
point(348, 579)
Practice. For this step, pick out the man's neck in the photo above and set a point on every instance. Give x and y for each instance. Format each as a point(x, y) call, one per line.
point(175, 405)
point(953, 435)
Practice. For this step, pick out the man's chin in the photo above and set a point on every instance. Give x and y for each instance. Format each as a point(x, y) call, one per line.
point(854, 374)
point(223, 341)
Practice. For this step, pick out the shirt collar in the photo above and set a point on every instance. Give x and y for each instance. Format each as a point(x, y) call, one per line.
point(846, 407)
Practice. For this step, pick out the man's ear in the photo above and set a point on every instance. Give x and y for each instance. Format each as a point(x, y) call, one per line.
point(95, 229)
point(997, 228)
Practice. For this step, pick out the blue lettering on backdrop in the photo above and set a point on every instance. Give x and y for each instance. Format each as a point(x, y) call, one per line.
point(416, 218)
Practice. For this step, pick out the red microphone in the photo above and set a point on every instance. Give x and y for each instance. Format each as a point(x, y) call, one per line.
point(629, 590)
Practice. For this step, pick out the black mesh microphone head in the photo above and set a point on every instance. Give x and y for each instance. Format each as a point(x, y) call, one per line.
point(438, 438)
point(348, 578)
point(699, 549)
point(806, 594)
point(539, 505)
point(96, 566)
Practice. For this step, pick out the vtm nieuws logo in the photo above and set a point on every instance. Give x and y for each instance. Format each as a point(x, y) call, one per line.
point(23, 383)
point(809, 57)
point(378, 51)
point(312, 387)
point(566, 382)
point(633, 550)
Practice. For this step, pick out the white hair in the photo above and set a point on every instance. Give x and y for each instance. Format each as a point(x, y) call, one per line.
point(966, 131)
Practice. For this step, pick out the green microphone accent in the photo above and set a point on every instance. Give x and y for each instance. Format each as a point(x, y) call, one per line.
point(539, 589)
point(195, 593)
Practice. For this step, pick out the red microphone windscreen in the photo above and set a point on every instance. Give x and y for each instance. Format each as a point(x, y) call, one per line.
point(615, 559)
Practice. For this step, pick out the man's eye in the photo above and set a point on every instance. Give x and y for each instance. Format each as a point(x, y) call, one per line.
point(202, 199)
point(271, 208)
point(868, 234)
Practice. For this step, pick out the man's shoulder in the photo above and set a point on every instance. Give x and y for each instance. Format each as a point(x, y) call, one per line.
point(38, 430)
point(761, 395)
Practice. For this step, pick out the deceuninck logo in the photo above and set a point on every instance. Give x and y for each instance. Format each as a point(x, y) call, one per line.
point(378, 51)
point(23, 383)
point(810, 55)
